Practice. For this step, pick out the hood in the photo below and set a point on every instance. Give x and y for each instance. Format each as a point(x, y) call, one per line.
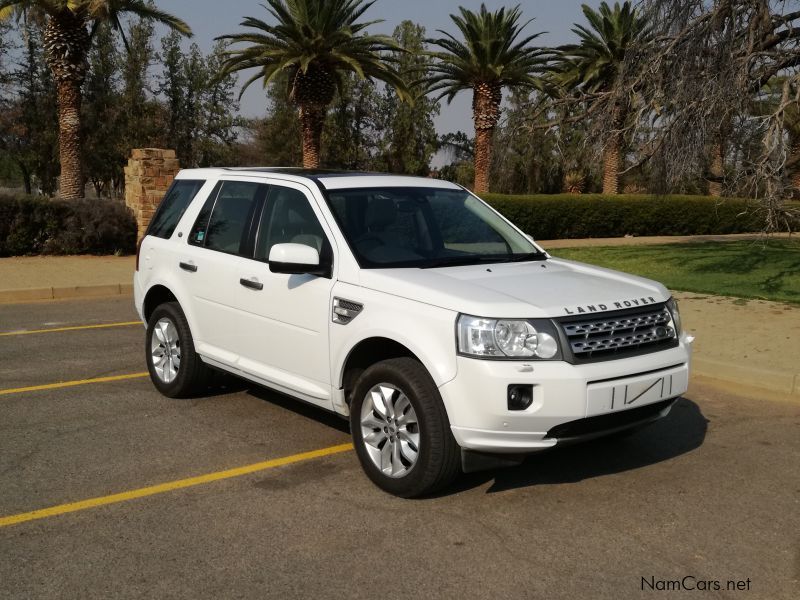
point(548, 288)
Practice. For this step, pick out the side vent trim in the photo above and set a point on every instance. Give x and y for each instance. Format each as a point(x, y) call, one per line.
point(345, 311)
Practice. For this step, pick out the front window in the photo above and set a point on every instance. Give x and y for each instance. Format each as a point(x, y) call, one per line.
point(425, 227)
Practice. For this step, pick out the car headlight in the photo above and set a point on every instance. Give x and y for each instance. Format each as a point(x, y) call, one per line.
point(672, 306)
point(501, 338)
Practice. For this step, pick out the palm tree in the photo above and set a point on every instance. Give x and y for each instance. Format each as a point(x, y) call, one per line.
point(490, 57)
point(592, 68)
point(314, 42)
point(69, 27)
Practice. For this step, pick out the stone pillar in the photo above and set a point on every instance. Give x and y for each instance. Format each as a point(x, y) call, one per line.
point(149, 174)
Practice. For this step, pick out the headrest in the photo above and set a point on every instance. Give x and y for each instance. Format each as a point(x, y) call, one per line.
point(381, 212)
point(300, 213)
point(307, 239)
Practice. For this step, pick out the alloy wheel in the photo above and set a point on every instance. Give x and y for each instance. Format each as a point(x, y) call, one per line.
point(390, 430)
point(165, 350)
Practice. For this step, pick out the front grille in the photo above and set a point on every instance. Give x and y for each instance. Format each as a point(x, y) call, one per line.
point(597, 425)
point(619, 334)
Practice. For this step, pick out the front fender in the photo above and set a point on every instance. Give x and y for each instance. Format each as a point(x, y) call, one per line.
point(427, 331)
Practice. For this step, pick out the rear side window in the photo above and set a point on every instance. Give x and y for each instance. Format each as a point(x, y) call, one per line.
point(172, 207)
point(225, 226)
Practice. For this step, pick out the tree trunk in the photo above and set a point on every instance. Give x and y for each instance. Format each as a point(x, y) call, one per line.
point(716, 170)
point(793, 164)
point(312, 118)
point(611, 161)
point(483, 159)
point(66, 43)
point(69, 139)
point(486, 98)
point(612, 153)
point(26, 178)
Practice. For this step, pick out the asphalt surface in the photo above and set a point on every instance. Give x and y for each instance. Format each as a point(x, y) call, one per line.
point(712, 493)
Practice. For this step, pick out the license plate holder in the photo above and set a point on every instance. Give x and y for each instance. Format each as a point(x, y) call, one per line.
point(623, 394)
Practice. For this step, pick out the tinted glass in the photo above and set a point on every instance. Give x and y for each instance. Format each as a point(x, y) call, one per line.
point(425, 227)
point(466, 230)
point(288, 218)
point(197, 236)
point(228, 227)
point(172, 207)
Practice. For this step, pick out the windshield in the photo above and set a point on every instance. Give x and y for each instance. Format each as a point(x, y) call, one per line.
point(425, 227)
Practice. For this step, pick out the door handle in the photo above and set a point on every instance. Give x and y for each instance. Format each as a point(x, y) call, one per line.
point(253, 285)
point(188, 267)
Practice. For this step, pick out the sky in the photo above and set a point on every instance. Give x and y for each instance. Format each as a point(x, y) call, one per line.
point(210, 18)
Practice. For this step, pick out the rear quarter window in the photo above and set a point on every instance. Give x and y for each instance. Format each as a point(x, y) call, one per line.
point(172, 207)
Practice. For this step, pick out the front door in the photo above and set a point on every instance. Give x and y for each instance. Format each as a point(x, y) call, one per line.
point(288, 316)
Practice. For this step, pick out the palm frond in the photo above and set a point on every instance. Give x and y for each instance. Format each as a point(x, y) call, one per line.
point(593, 64)
point(323, 34)
point(492, 49)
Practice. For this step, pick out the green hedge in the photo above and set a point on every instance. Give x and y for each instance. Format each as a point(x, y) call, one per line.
point(30, 225)
point(564, 216)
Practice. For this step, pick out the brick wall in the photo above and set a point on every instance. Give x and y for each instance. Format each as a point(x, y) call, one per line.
point(149, 174)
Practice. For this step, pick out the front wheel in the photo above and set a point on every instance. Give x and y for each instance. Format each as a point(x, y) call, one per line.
point(401, 431)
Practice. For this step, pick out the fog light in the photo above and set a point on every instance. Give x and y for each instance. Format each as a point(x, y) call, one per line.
point(519, 397)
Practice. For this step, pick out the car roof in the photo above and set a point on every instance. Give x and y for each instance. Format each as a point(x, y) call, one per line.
point(329, 179)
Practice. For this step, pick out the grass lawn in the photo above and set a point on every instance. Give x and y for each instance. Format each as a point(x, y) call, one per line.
point(767, 271)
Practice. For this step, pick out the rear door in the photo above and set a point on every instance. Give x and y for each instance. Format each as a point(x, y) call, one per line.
point(219, 244)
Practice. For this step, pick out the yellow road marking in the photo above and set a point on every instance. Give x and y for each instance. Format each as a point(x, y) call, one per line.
point(66, 384)
point(170, 486)
point(73, 328)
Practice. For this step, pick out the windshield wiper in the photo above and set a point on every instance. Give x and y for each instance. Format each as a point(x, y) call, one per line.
point(454, 261)
point(527, 257)
point(477, 259)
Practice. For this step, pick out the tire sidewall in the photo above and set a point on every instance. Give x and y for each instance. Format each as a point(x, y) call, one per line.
point(416, 480)
point(180, 385)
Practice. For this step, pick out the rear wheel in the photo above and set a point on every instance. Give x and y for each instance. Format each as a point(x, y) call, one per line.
point(175, 368)
point(401, 431)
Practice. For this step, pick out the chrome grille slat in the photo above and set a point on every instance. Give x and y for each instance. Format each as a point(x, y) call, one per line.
point(603, 337)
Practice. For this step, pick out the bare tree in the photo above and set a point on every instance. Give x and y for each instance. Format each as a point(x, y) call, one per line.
point(708, 61)
point(691, 86)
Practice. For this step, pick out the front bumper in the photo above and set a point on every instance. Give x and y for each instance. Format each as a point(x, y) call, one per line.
point(562, 395)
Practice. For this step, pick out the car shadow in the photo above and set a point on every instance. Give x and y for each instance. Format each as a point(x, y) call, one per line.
point(680, 432)
point(297, 406)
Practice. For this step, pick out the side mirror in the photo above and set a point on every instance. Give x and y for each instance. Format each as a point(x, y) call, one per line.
point(296, 259)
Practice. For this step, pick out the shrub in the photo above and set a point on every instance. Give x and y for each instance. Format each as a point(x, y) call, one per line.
point(30, 225)
point(569, 216)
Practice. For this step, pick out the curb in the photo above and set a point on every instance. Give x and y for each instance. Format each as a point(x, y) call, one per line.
point(62, 293)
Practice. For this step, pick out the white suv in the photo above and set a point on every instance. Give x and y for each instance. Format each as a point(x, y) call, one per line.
point(446, 335)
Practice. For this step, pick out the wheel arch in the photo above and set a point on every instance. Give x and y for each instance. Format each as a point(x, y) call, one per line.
point(366, 353)
point(155, 296)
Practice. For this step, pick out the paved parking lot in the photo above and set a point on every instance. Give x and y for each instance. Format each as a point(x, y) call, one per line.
point(712, 492)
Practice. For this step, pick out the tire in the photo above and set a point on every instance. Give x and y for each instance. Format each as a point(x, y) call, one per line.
point(189, 375)
point(385, 438)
